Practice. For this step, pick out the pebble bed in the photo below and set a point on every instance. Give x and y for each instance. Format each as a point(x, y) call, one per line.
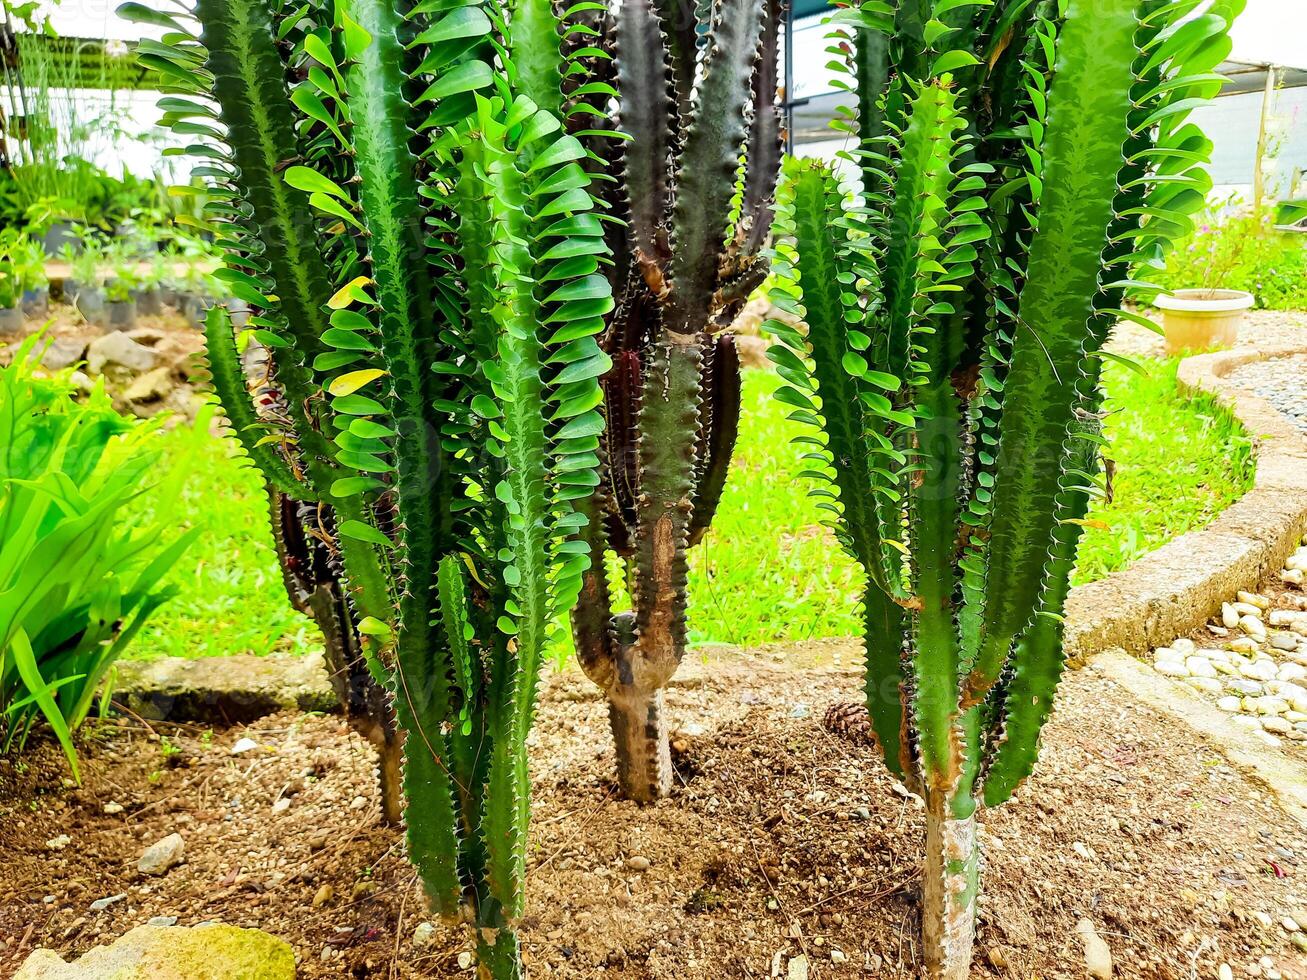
point(1256, 664)
point(1282, 381)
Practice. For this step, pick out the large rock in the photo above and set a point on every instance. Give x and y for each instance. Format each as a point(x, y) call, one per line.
point(118, 348)
point(152, 386)
point(223, 690)
point(63, 352)
point(206, 952)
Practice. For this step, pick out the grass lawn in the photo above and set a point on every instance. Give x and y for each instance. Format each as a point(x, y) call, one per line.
point(767, 571)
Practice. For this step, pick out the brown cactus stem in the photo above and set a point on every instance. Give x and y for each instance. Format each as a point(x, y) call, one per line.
point(644, 759)
point(950, 884)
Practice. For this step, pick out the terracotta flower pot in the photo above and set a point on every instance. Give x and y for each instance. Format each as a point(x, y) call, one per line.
point(1201, 319)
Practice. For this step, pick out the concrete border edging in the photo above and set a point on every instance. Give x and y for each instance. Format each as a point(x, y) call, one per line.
point(1177, 588)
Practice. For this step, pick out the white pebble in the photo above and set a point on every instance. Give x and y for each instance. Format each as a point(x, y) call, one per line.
point(1229, 617)
point(1229, 703)
point(1291, 672)
point(1184, 646)
point(1202, 667)
point(1170, 669)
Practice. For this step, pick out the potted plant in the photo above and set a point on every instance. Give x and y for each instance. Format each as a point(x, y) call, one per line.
point(149, 301)
point(11, 291)
point(197, 296)
point(82, 288)
point(29, 263)
point(118, 291)
point(1199, 309)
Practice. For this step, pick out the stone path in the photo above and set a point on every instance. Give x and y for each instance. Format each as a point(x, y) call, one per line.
point(1282, 381)
point(1254, 660)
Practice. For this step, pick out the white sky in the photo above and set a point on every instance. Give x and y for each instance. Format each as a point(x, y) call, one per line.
point(1273, 31)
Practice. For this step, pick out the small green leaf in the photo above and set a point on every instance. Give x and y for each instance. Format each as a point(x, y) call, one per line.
point(358, 531)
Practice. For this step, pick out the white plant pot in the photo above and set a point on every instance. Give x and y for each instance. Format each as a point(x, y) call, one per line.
point(1201, 319)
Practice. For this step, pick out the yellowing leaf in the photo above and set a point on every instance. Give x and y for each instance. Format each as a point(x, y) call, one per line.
point(351, 292)
point(349, 383)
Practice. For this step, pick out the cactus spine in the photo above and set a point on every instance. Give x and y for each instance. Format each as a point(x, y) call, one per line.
point(415, 233)
point(1014, 162)
point(697, 99)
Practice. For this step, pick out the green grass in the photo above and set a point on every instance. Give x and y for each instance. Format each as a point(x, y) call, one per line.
point(767, 571)
point(232, 599)
point(1178, 463)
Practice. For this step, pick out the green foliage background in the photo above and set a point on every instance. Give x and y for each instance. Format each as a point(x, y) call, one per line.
point(1241, 252)
point(767, 571)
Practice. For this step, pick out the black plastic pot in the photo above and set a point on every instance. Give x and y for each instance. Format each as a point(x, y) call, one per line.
point(36, 302)
point(122, 314)
point(11, 320)
point(57, 236)
point(89, 302)
point(148, 302)
point(195, 308)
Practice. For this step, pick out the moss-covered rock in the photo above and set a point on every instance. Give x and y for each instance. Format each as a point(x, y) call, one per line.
point(205, 952)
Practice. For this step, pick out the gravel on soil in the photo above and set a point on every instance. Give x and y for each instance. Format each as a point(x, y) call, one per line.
point(1282, 381)
point(784, 843)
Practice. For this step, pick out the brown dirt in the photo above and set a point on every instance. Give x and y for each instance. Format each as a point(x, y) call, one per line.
point(782, 840)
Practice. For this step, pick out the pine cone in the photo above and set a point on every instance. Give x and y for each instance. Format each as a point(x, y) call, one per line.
point(849, 719)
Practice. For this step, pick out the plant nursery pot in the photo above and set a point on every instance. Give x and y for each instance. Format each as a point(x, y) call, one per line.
point(11, 320)
point(36, 302)
point(1200, 319)
point(196, 308)
point(122, 314)
point(168, 296)
point(60, 234)
point(89, 302)
point(148, 302)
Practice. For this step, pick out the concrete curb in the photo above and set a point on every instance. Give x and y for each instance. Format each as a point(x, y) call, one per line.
point(1177, 588)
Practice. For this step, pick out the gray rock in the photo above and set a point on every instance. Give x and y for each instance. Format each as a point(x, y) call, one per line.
point(162, 855)
point(208, 952)
point(118, 348)
point(63, 352)
point(162, 921)
point(424, 934)
point(225, 690)
point(100, 904)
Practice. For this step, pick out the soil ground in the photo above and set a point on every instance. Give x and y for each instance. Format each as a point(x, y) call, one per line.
point(783, 840)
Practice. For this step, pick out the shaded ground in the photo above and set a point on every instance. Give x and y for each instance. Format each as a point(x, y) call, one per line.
point(784, 841)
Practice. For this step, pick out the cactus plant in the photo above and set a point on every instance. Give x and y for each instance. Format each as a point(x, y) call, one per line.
point(414, 232)
point(1013, 163)
point(696, 95)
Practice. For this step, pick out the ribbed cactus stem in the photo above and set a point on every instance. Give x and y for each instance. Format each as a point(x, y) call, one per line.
point(644, 759)
point(499, 954)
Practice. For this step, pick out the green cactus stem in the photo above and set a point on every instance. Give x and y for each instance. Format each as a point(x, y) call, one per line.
point(414, 230)
point(1015, 162)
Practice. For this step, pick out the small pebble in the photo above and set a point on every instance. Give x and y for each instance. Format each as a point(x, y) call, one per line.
point(244, 745)
point(103, 903)
point(162, 921)
point(638, 863)
point(424, 934)
point(322, 896)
